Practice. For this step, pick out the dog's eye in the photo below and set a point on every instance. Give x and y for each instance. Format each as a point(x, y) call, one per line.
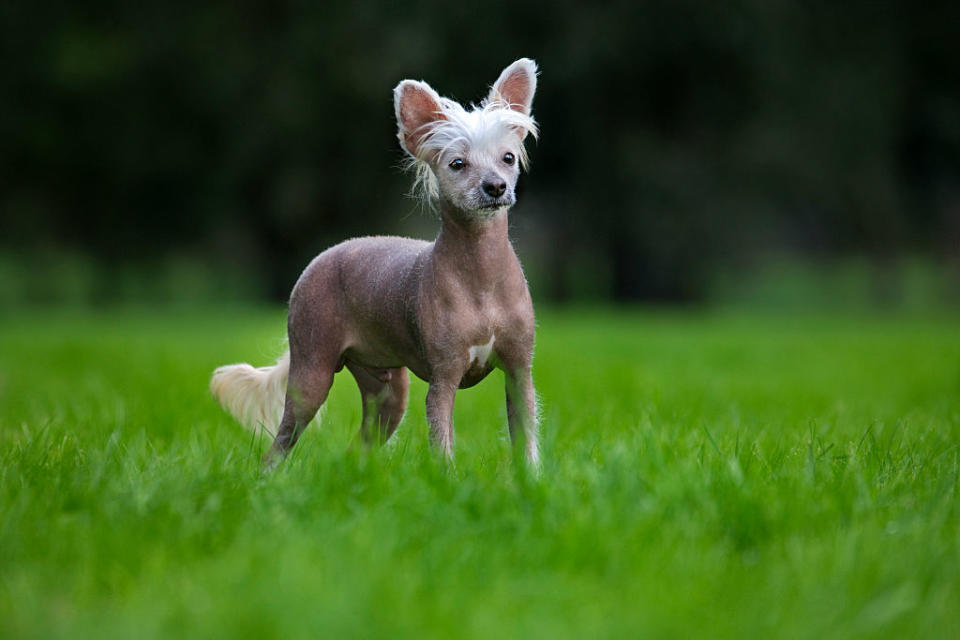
point(509, 158)
point(457, 164)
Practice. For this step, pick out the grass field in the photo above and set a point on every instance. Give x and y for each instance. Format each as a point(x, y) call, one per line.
point(705, 475)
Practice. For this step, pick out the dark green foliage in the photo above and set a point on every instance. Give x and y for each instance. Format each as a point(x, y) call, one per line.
point(678, 137)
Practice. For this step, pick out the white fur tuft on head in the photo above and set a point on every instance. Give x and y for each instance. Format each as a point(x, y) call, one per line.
point(430, 127)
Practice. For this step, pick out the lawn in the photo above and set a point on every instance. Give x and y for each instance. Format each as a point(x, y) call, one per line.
point(705, 475)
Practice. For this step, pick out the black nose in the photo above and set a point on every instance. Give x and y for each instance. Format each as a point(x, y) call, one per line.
point(494, 188)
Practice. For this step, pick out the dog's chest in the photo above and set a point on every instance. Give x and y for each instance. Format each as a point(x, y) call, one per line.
point(479, 354)
point(479, 362)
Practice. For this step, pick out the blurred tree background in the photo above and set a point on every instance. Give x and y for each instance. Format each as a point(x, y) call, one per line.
point(691, 151)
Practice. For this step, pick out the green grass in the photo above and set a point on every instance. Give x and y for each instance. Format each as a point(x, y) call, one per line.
point(715, 475)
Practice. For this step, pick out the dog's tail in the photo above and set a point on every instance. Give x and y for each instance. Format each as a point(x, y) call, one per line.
point(254, 396)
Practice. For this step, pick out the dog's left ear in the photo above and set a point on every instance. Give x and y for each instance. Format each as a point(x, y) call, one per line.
point(516, 86)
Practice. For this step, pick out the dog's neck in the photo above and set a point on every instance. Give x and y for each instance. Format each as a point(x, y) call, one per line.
point(476, 251)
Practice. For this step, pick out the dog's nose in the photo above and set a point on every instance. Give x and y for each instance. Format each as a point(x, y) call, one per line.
point(494, 188)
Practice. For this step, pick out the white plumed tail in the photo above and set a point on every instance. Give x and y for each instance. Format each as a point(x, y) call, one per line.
point(254, 396)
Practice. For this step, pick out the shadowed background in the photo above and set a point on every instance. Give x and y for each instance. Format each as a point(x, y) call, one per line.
point(777, 153)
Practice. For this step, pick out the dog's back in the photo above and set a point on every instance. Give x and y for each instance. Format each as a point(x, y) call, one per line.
point(361, 294)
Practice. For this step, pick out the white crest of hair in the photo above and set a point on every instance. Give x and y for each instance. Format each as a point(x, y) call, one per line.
point(253, 395)
point(460, 131)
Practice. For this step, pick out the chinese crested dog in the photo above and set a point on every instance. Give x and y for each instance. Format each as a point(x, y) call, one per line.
point(450, 311)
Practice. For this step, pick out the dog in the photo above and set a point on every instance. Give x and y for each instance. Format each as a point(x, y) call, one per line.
point(450, 310)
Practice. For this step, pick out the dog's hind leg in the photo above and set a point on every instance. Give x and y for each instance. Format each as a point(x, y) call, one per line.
point(307, 389)
point(384, 396)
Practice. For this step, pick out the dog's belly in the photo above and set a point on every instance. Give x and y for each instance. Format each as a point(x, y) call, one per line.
point(475, 374)
point(384, 358)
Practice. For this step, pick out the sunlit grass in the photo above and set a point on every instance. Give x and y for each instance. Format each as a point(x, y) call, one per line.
point(713, 475)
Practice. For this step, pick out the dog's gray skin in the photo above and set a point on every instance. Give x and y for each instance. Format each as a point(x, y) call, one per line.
point(382, 305)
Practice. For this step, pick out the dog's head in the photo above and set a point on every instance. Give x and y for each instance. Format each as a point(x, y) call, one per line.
point(468, 160)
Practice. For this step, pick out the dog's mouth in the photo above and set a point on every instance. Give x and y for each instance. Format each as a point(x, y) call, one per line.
point(490, 205)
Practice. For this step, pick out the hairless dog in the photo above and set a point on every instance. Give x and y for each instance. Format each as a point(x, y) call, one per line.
point(449, 310)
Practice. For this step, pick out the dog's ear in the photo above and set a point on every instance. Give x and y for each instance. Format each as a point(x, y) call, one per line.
point(516, 86)
point(417, 105)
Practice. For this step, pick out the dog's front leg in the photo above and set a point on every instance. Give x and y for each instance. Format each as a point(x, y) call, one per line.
point(440, 414)
point(522, 413)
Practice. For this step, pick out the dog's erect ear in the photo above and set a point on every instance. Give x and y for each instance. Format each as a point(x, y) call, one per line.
point(516, 86)
point(417, 105)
